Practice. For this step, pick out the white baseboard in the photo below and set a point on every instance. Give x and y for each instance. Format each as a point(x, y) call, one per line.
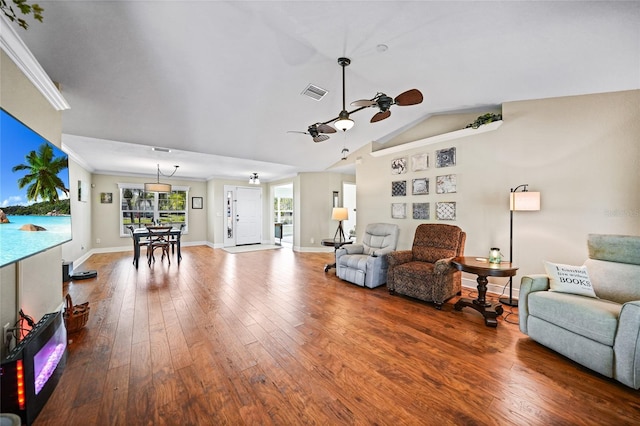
point(93, 251)
point(313, 249)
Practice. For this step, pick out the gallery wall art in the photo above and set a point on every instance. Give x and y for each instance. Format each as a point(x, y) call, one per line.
point(420, 176)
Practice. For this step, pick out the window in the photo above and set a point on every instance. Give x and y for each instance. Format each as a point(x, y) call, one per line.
point(140, 208)
point(283, 210)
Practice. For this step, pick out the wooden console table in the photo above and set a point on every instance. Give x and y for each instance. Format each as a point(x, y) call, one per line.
point(483, 269)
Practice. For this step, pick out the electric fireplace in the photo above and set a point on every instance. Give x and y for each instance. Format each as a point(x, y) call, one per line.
point(31, 371)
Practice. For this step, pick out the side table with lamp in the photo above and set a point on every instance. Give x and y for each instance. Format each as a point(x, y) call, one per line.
point(483, 268)
point(338, 240)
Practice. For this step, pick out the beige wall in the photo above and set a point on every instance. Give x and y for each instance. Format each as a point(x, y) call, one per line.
point(215, 209)
point(105, 217)
point(313, 199)
point(41, 292)
point(582, 153)
point(80, 246)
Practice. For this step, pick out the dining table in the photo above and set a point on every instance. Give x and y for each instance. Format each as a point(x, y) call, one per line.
point(140, 234)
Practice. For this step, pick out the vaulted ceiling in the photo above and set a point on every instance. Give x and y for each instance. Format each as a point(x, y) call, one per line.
point(219, 83)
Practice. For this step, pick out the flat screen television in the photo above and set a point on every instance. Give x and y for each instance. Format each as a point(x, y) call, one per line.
point(35, 210)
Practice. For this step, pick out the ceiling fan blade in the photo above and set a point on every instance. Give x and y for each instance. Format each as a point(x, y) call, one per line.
point(363, 103)
point(297, 131)
point(380, 116)
point(320, 138)
point(410, 97)
point(325, 128)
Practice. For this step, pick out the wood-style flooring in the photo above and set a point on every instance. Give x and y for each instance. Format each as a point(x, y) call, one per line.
point(268, 337)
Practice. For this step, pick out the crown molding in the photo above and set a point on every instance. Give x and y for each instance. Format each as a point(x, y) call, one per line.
point(20, 54)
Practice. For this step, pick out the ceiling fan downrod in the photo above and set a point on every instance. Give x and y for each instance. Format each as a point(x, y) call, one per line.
point(343, 122)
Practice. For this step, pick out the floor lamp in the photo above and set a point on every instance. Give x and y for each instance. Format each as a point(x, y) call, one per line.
point(518, 201)
point(340, 214)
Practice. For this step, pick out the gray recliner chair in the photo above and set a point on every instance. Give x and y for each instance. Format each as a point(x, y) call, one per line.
point(366, 264)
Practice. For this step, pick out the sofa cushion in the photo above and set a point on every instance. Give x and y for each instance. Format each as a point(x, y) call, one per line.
point(355, 261)
point(614, 248)
point(618, 282)
point(595, 319)
point(569, 279)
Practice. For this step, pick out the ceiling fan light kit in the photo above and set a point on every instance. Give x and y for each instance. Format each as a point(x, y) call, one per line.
point(254, 179)
point(344, 122)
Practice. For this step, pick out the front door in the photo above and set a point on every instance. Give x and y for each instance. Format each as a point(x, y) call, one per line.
point(248, 215)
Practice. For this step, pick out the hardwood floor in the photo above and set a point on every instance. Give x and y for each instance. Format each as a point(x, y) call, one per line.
point(267, 337)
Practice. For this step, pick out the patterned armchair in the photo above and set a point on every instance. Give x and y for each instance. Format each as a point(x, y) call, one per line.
point(425, 272)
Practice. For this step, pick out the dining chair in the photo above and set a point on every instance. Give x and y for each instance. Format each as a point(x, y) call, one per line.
point(173, 239)
point(144, 242)
point(158, 239)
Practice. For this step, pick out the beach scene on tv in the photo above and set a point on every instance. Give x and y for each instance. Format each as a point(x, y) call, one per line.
point(35, 212)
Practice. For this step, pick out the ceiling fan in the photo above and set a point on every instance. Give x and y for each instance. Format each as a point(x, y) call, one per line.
point(316, 130)
point(384, 102)
point(344, 123)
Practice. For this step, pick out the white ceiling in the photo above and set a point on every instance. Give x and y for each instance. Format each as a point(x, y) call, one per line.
point(220, 83)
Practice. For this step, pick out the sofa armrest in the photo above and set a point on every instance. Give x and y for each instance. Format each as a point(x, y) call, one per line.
point(348, 249)
point(529, 284)
point(375, 263)
point(353, 248)
point(444, 266)
point(381, 251)
point(626, 345)
point(395, 259)
point(399, 257)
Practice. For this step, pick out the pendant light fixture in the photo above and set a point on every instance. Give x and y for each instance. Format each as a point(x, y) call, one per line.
point(343, 122)
point(254, 179)
point(157, 186)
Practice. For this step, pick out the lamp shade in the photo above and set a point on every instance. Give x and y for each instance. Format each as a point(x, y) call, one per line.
point(524, 201)
point(157, 187)
point(340, 213)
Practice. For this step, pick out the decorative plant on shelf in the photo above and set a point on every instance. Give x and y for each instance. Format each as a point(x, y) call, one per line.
point(484, 119)
point(24, 8)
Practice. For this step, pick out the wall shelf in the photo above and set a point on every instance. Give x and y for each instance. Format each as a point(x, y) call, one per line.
point(438, 138)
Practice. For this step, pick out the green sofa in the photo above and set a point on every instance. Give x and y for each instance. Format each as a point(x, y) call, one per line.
point(601, 333)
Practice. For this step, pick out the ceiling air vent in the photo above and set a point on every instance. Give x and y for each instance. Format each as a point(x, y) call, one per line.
point(314, 92)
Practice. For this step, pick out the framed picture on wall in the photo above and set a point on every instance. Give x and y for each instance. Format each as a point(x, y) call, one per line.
point(196, 202)
point(419, 162)
point(399, 166)
point(399, 210)
point(420, 186)
point(446, 157)
point(83, 191)
point(421, 211)
point(446, 184)
point(399, 188)
point(446, 211)
point(106, 197)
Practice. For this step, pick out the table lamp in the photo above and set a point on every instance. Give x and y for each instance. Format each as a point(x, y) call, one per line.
point(339, 214)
